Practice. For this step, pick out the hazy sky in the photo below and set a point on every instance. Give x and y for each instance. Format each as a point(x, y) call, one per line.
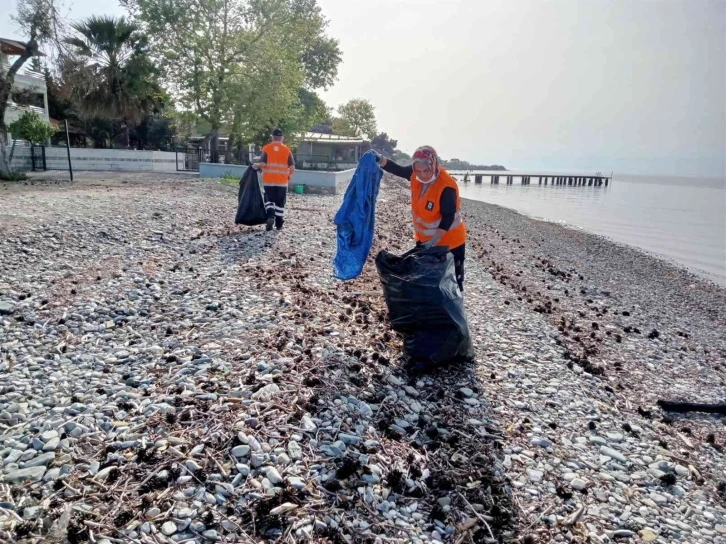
point(636, 86)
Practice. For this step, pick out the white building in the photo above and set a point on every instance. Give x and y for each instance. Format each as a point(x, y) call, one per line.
point(318, 151)
point(28, 82)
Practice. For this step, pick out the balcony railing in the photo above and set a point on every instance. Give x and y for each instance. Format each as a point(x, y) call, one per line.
point(24, 71)
point(36, 109)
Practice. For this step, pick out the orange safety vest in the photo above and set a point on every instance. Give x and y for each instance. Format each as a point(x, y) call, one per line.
point(425, 204)
point(276, 171)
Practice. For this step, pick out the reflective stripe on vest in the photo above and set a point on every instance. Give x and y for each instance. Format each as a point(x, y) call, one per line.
point(425, 206)
point(276, 171)
point(429, 229)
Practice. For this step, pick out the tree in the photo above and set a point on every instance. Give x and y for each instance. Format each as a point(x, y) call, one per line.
point(302, 114)
point(155, 132)
point(40, 21)
point(324, 127)
point(109, 72)
point(225, 59)
point(341, 127)
point(383, 144)
point(37, 65)
point(360, 116)
point(401, 158)
point(31, 127)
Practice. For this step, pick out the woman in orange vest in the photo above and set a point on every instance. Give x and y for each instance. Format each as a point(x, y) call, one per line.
point(435, 204)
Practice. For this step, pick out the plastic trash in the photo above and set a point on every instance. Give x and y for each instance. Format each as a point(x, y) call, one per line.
point(426, 306)
point(356, 219)
point(250, 202)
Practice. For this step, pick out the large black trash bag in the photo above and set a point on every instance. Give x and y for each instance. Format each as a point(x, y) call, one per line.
point(250, 203)
point(426, 306)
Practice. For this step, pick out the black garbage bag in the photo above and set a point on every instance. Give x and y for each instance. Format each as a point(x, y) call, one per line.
point(250, 203)
point(426, 306)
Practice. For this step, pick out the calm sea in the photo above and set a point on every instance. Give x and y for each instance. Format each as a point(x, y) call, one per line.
point(681, 219)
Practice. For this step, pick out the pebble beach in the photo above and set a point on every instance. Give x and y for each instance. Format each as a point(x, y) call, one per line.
point(169, 377)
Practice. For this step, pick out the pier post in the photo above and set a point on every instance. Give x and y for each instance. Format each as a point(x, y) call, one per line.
point(606, 182)
point(477, 178)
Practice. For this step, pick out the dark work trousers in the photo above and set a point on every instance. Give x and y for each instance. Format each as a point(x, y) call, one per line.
point(459, 254)
point(275, 198)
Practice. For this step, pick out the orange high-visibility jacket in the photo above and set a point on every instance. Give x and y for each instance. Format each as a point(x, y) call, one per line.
point(425, 200)
point(277, 171)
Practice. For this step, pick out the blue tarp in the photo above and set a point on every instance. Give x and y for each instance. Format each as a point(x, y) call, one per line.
point(356, 219)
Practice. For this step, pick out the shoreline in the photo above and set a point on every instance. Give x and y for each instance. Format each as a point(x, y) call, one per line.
point(187, 378)
point(697, 274)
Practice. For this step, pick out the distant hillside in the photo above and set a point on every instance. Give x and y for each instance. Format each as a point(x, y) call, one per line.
point(454, 164)
point(457, 164)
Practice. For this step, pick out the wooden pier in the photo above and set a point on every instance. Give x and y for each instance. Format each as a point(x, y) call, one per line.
point(526, 179)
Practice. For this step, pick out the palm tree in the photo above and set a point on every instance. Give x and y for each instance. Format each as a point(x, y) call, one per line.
point(109, 71)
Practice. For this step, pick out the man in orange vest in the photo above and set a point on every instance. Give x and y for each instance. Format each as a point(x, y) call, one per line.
point(277, 165)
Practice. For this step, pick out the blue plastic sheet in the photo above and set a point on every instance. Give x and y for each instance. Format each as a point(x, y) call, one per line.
point(356, 219)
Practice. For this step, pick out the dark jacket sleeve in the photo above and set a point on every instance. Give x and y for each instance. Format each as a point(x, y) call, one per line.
point(291, 159)
point(405, 172)
point(447, 205)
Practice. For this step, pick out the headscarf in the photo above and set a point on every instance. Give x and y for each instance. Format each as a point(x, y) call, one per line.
point(427, 155)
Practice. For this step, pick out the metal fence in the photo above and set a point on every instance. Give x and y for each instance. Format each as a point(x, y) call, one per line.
point(188, 159)
point(44, 158)
point(322, 162)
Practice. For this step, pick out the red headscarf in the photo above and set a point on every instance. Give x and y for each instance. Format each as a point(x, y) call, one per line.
point(427, 155)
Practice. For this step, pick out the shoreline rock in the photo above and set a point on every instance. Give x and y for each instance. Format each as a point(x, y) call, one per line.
point(170, 362)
